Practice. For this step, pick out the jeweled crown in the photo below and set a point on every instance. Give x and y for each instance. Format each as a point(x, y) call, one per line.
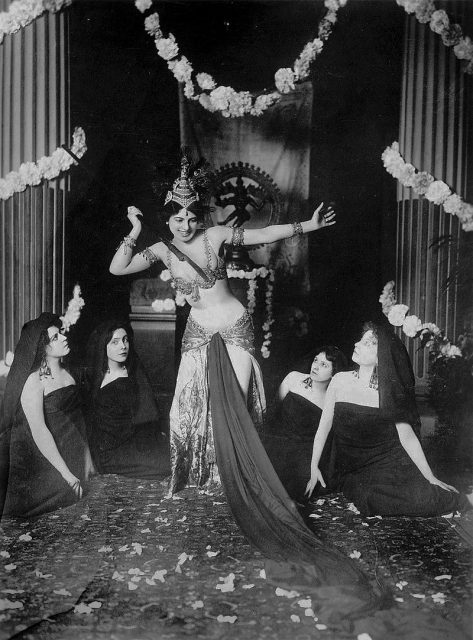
point(182, 190)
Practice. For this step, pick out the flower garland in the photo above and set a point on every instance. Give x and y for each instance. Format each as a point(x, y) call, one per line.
point(251, 276)
point(73, 311)
point(439, 22)
point(424, 184)
point(47, 168)
point(231, 103)
point(429, 333)
point(22, 12)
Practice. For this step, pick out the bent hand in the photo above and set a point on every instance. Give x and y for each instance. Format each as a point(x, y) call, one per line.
point(323, 217)
point(442, 485)
point(132, 215)
point(315, 476)
point(75, 485)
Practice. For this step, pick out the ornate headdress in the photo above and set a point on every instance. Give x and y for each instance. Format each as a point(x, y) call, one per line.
point(183, 189)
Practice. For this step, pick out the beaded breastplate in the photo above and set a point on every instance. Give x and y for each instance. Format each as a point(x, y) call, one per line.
point(191, 288)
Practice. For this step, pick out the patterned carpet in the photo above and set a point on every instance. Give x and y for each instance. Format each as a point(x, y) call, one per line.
point(129, 564)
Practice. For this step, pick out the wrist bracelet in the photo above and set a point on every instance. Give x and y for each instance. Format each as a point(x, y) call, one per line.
point(127, 243)
point(297, 229)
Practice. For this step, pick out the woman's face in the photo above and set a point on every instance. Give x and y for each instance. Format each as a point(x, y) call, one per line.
point(321, 369)
point(118, 347)
point(366, 350)
point(58, 346)
point(183, 225)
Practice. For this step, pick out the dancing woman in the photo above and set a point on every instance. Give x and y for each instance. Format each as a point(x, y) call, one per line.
point(199, 274)
point(48, 458)
point(379, 460)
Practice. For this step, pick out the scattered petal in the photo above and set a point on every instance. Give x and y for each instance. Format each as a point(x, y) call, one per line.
point(183, 519)
point(10, 567)
point(4, 554)
point(148, 530)
point(198, 604)
point(62, 592)
point(39, 574)
point(445, 577)
point(305, 604)
point(13, 591)
point(355, 554)
point(85, 517)
point(137, 548)
point(418, 595)
point(315, 515)
point(439, 597)
point(320, 502)
point(212, 554)
point(401, 584)
point(247, 586)
point(159, 575)
point(105, 549)
point(286, 594)
point(364, 636)
point(262, 574)
point(227, 584)
point(10, 604)
point(95, 604)
point(135, 572)
point(295, 618)
point(25, 537)
point(321, 626)
point(230, 619)
point(351, 507)
point(132, 586)
point(118, 576)
point(309, 613)
point(399, 599)
point(150, 581)
point(124, 548)
point(82, 608)
point(135, 578)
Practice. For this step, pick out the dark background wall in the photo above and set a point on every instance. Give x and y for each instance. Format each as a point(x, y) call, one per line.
point(126, 99)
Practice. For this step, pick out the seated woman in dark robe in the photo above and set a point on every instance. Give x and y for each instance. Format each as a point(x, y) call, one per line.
point(292, 424)
point(380, 464)
point(46, 458)
point(123, 425)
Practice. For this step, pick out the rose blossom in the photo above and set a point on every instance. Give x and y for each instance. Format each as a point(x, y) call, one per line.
point(421, 182)
point(424, 10)
point(439, 21)
point(152, 25)
point(452, 204)
point(205, 81)
point(438, 192)
point(397, 314)
point(452, 35)
point(167, 47)
point(284, 80)
point(30, 173)
point(181, 69)
point(406, 175)
point(464, 49)
point(411, 326)
point(143, 5)
point(454, 352)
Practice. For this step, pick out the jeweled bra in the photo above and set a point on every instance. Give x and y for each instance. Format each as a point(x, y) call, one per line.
point(192, 288)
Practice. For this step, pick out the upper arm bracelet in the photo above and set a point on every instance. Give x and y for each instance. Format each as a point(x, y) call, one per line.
point(148, 255)
point(238, 238)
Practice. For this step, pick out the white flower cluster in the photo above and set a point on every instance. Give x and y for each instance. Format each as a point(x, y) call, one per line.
point(160, 305)
point(439, 22)
point(47, 167)
point(6, 363)
point(251, 276)
point(425, 184)
point(413, 326)
point(74, 308)
point(22, 12)
point(225, 100)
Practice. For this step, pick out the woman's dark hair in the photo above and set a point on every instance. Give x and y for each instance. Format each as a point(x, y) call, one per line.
point(369, 326)
point(335, 356)
point(130, 361)
point(43, 342)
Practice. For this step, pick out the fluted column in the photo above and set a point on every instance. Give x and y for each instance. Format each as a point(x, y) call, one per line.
point(34, 108)
point(435, 104)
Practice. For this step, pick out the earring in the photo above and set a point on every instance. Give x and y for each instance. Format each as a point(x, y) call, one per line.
point(44, 370)
point(373, 384)
point(108, 369)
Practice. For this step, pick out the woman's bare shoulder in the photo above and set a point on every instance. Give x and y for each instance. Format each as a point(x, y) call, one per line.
point(33, 384)
point(341, 378)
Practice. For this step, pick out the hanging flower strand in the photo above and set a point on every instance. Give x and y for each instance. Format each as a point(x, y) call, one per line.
point(47, 168)
point(439, 22)
point(22, 12)
point(226, 100)
point(424, 184)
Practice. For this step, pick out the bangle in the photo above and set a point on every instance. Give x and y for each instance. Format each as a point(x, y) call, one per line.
point(238, 238)
point(127, 243)
point(297, 229)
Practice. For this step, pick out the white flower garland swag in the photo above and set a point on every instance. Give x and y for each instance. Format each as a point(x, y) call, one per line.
point(22, 12)
point(413, 327)
point(451, 33)
point(226, 100)
point(423, 183)
point(46, 168)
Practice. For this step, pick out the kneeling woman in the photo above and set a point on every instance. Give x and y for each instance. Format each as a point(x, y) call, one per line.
point(48, 457)
point(379, 461)
point(289, 432)
point(123, 425)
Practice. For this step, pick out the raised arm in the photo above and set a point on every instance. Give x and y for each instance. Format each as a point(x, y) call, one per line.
point(321, 218)
point(32, 403)
point(124, 262)
point(320, 439)
point(285, 386)
point(414, 450)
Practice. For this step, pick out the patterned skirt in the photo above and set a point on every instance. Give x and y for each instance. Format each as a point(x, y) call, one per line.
point(191, 436)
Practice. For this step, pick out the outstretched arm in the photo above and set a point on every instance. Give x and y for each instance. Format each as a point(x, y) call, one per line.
point(32, 403)
point(320, 439)
point(413, 448)
point(124, 262)
point(321, 218)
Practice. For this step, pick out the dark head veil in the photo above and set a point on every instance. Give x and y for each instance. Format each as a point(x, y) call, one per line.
point(396, 380)
point(145, 408)
point(26, 359)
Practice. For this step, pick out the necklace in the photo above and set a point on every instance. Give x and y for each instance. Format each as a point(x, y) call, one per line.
point(307, 383)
